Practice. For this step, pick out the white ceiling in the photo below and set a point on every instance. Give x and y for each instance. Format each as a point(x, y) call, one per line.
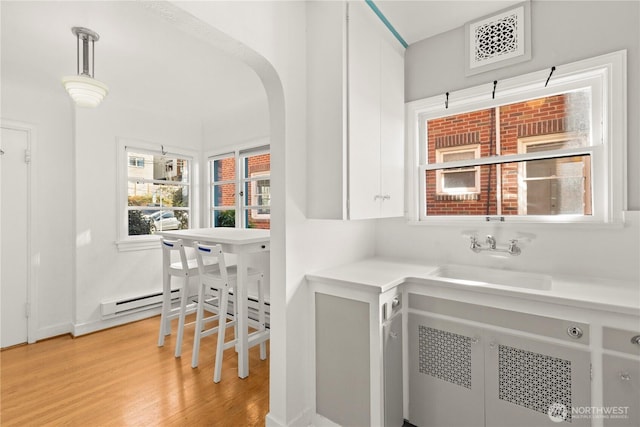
point(144, 59)
point(141, 57)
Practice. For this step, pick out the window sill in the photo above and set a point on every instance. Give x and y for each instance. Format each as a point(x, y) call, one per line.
point(519, 222)
point(139, 244)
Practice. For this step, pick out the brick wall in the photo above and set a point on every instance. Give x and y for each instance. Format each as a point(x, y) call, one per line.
point(554, 114)
point(225, 195)
point(459, 131)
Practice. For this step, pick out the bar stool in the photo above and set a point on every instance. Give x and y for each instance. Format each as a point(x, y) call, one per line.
point(184, 268)
point(222, 280)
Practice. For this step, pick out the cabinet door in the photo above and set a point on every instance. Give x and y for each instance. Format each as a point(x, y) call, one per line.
point(364, 112)
point(446, 379)
point(343, 383)
point(532, 382)
point(392, 362)
point(392, 129)
point(621, 394)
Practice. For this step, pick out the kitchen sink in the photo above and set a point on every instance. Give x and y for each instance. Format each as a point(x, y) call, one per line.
point(493, 276)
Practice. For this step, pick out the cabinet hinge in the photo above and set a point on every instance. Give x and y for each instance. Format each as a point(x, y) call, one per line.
point(27, 309)
point(27, 156)
point(591, 370)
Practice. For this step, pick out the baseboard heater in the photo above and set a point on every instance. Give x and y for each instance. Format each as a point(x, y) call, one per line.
point(135, 304)
point(147, 302)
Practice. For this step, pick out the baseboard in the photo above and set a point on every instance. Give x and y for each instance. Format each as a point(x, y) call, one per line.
point(53, 331)
point(271, 421)
point(318, 420)
point(302, 420)
point(85, 328)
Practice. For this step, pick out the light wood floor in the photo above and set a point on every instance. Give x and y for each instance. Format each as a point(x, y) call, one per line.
point(119, 377)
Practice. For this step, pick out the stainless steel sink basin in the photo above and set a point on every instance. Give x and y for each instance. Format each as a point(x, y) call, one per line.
point(490, 276)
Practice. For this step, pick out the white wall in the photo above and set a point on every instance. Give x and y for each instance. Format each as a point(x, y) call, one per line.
point(562, 32)
point(274, 33)
point(77, 179)
point(102, 271)
point(49, 111)
point(233, 128)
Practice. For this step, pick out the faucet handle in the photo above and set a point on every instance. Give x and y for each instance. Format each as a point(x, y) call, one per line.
point(475, 246)
point(514, 249)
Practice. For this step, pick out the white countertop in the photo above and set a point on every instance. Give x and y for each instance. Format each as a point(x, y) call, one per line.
point(382, 274)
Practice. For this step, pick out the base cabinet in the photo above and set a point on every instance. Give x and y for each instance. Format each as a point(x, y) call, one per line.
point(358, 359)
point(343, 375)
point(621, 393)
point(534, 382)
point(468, 375)
point(446, 373)
point(621, 377)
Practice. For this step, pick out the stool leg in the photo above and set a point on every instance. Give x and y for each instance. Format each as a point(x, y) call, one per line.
point(199, 326)
point(262, 318)
point(165, 322)
point(222, 327)
point(234, 302)
point(183, 308)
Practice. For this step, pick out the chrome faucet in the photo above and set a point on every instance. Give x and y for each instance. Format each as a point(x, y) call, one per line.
point(475, 246)
point(512, 249)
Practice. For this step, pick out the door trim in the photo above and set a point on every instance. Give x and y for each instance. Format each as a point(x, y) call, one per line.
point(32, 232)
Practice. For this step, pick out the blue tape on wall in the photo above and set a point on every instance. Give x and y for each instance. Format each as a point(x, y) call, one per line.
point(386, 22)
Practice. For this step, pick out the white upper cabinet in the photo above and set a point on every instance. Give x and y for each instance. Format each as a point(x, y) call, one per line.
point(355, 106)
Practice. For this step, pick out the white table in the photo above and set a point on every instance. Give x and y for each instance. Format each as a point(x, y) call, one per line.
point(242, 242)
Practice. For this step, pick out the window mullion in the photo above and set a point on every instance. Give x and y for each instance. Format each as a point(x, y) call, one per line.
point(239, 189)
point(495, 160)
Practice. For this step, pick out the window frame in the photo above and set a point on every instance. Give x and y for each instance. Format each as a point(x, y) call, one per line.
point(138, 162)
point(525, 142)
point(606, 75)
point(125, 242)
point(441, 173)
point(257, 177)
point(253, 148)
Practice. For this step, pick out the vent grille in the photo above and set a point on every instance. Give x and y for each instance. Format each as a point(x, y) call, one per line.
point(497, 38)
point(534, 381)
point(445, 355)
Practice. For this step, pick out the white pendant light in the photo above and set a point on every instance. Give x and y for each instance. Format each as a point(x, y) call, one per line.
point(83, 88)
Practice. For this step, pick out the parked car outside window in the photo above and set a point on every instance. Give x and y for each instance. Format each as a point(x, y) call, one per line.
point(163, 221)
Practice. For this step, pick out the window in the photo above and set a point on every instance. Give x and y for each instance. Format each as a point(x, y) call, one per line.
point(261, 190)
point(457, 182)
point(136, 162)
point(554, 186)
point(240, 189)
point(155, 192)
point(534, 153)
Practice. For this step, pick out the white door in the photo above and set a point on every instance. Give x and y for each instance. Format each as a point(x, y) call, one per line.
point(14, 250)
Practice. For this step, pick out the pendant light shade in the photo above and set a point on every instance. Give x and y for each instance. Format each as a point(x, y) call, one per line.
point(83, 88)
